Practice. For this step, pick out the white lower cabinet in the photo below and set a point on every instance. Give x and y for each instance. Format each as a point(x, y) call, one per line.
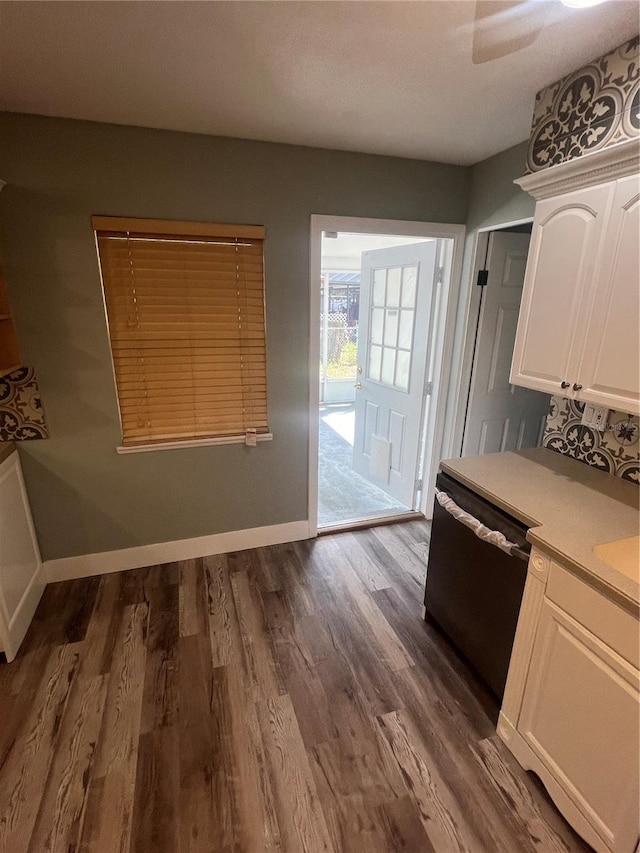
point(571, 710)
point(21, 574)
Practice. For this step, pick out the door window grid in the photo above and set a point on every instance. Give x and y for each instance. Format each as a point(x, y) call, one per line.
point(391, 325)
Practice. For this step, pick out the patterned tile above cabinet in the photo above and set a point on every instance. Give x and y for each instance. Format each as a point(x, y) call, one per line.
point(593, 108)
point(21, 414)
point(614, 451)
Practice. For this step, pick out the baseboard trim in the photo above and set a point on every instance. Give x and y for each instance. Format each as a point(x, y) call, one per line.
point(87, 565)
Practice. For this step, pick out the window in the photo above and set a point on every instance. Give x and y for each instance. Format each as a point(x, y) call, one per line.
point(185, 309)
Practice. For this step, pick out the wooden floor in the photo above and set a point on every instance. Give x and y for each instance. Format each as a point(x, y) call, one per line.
point(282, 699)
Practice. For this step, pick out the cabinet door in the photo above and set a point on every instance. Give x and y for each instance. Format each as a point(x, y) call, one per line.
point(610, 369)
point(558, 288)
point(580, 714)
point(21, 575)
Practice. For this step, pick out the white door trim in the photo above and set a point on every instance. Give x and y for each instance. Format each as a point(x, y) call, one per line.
point(443, 331)
point(467, 338)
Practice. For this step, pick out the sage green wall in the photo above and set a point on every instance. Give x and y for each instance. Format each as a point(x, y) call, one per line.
point(494, 200)
point(84, 497)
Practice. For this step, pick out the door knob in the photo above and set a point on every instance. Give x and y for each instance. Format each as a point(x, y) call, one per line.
point(358, 386)
point(565, 384)
point(359, 370)
point(577, 387)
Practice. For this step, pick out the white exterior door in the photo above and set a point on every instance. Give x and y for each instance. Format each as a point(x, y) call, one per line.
point(396, 295)
point(501, 416)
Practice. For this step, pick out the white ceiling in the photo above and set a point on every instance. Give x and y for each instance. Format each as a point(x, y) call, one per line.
point(381, 77)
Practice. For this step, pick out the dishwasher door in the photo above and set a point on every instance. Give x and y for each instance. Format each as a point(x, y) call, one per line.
point(474, 589)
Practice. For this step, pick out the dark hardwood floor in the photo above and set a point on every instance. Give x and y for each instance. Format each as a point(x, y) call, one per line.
point(288, 698)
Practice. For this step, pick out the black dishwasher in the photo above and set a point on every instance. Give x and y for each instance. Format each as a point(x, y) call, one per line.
point(474, 586)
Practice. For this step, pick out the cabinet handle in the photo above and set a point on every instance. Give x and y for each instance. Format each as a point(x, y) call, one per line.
point(565, 384)
point(577, 387)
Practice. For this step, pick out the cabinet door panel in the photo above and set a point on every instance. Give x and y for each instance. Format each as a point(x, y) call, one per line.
point(21, 578)
point(558, 287)
point(581, 715)
point(610, 368)
point(17, 556)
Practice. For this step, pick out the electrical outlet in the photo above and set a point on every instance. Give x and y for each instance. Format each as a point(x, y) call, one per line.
point(595, 417)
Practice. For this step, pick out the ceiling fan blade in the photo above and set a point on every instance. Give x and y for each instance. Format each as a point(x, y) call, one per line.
point(503, 27)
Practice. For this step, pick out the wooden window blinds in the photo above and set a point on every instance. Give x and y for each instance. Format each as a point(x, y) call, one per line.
point(185, 309)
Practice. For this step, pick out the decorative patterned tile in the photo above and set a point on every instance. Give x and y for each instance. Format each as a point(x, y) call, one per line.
point(21, 414)
point(593, 108)
point(614, 451)
point(545, 100)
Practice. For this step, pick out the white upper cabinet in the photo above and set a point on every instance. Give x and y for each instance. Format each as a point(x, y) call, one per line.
point(609, 368)
point(558, 288)
point(579, 321)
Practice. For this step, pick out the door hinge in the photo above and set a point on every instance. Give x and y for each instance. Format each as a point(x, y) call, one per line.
point(483, 277)
point(439, 275)
point(418, 484)
point(428, 389)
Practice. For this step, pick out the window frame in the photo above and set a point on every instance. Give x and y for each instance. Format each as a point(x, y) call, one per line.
point(187, 230)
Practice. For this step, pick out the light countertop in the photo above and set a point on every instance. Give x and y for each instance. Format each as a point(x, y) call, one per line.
point(569, 506)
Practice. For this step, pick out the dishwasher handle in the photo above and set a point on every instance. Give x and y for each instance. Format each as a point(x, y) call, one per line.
point(493, 537)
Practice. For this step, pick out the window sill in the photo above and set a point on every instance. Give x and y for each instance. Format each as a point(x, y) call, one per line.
point(196, 442)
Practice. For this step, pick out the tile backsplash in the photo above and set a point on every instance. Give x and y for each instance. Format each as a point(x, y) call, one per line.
point(21, 414)
point(614, 451)
point(593, 108)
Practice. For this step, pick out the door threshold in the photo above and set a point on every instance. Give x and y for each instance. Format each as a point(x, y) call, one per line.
point(363, 523)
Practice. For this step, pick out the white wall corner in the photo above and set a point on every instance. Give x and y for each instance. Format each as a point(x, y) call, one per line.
point(87, 565)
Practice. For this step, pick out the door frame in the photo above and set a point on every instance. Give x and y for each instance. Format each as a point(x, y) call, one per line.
point(465, 360)
point(442, 340)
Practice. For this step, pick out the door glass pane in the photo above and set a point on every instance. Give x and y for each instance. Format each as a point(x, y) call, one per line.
point(391, 327)
point(392, 321)
point(377, 323)
point(409, 278)
point(375, 359)
point(379, 277)
point(393, 287)
point(405, 336)
point(388, 365)
point(403, 363)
